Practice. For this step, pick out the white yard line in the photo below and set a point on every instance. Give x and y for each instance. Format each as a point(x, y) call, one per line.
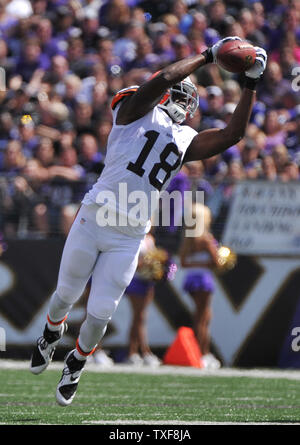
point(167, 370)
point(177, 422)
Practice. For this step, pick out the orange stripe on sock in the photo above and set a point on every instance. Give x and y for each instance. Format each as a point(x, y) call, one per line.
point(56, 323)
point(81, 352)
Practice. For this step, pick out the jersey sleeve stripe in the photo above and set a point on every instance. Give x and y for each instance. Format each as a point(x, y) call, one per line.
point(119, 96)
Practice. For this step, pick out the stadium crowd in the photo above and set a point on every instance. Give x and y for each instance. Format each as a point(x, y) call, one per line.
point(62, 61)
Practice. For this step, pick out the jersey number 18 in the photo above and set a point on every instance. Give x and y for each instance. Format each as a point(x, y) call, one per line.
point(137, 166)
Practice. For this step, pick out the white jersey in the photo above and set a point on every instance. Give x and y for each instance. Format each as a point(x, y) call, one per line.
point(142, 156)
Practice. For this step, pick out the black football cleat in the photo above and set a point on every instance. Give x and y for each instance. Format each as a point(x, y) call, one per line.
point(45, 348)
point(67, 386)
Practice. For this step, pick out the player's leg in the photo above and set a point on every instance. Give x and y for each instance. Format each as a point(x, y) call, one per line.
point(91, 330)
point(78, 260)
point(112, 274)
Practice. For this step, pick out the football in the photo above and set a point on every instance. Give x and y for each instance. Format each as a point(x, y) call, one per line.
point(236, 56)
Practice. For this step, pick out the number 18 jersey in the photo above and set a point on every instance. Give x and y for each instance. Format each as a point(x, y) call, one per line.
point(141, 159)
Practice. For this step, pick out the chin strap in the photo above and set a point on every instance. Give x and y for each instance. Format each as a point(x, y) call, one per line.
point(177, 113)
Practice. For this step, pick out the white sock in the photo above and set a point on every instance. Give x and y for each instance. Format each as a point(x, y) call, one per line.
point(91, 332)
point(79, 356)
point(58, 312)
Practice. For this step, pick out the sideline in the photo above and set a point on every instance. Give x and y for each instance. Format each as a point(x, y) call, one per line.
point(291, 374)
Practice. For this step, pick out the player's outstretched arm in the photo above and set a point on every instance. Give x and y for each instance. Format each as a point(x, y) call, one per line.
point(151, 92)
point(214, 141)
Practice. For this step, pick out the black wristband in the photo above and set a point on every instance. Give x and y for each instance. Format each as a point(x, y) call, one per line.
point(208, 55)
point(251, 83)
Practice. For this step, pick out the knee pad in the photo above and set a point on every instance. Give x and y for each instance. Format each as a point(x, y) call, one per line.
point(103, 307)
point(70, 294)
point(58, 308)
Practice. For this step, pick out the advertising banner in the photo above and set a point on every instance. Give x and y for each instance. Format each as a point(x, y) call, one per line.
point(255, 308)
point(264, 219)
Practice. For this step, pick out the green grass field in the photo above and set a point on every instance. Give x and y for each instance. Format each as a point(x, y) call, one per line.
point(104, 397)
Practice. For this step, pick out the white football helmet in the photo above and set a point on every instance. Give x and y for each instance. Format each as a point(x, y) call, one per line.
point(181, 100)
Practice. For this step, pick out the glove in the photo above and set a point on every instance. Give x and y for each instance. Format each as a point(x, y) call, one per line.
point(260, 64)
point(211, 53)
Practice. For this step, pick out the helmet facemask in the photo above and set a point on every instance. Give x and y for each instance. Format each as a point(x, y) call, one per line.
point(181, 100)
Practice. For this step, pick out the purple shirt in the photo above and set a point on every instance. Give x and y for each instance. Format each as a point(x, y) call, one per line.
point(26, 69)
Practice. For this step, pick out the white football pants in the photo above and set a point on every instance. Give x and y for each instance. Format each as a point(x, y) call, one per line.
point(103, 253)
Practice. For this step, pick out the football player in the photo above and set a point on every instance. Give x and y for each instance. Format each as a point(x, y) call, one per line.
point(146, 148)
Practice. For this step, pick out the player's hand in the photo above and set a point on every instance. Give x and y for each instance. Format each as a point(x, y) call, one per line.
point(215, 48)
point(260, 64)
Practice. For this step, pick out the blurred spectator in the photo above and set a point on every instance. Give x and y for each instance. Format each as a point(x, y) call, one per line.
point(274, 130)
point(234, 28)
point(290, 172)
point(125, 46)
point(200, 25)
point(59, 67)
point(212, 116)
point(250, 159)
point(102, 132)
point(250, 28)
point(6, 62)
point(89, 156)
point(13, 159)
point(62, 194)
point(64, 61)
point(180, 10)
point(182, 47)
point(145, 57)
point(89, 28)
point(49, 45)
point(8, 130)
point(83, 113)
point(45, 152)
point(64, 19)
point(67, 136)
point(115, 15)
point(31, 59)
point(273, 85)
point(268, 168)
point(99, 99)
point(171, 22)
point(293, 136)
point(231, 91)
point(7, 21)
point(107, 54)
point(162, 45)
point(215, 168)
point(28, 138)
point(217, 15)
point(77, 59)
point(73, 87)
point(281, 157)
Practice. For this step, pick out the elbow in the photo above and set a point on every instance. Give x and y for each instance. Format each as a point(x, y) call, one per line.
point(166, 78)
point(237, 138)
point(234, 136)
